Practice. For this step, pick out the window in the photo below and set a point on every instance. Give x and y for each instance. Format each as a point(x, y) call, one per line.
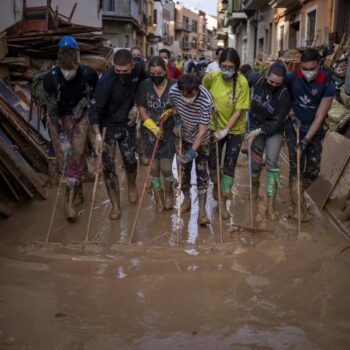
point(154, 16)
point(310, 27)
point(194, 43)
point(281, 37)
point(194, 26)
point(186, 22)
point(108, 5)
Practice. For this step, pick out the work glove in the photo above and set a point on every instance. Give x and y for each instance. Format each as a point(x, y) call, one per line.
point(220, 134)
point(253, 134)
point(152, 126)
point(177, 127)
point(187, 157)
point(302, 145)
point(166, 114)
point(65, 144)
point(79, 109)
point(133, 116)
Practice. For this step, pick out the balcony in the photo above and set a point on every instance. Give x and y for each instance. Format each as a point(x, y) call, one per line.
point(181, 26)
point(234, 18)
point(122, 9)
point(186, 45)
point(283, 3)
point(255, 4)
point(168, 40)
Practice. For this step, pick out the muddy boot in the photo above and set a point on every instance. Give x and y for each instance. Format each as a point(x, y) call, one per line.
point(186, 204)
point(112, 187)
point(214, 179)
point(79, 196)
point(202, 214)
point(226, 185)
point(169, 193)
point(225, 215)
point(132, 190)
point(273, 180)
point(69, 211)
point(158, 194)
point(345, 214)
point(293, 191)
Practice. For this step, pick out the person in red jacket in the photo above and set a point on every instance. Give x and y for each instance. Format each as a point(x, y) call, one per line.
point(173, 72)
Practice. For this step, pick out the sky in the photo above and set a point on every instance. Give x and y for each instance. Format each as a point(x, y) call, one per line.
point(208, 6)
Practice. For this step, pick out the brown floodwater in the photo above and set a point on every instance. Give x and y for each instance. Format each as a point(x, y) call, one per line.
point(266, 289)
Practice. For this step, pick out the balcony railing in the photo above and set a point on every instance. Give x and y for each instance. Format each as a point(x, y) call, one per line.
point(255, 4)
point(121, 8)
point(182, 26)
point(186, 45)
point(283, 3)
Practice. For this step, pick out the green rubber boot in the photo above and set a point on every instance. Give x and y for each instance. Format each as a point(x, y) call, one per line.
point(158, 194)
point(273, 181)
point(226, 185)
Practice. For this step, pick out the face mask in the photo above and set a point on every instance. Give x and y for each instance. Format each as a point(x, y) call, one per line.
point(189, 100)
point(69, 74)
point(309, 75)
point(156, 79)
point(227, 73)
point(166, 61)
point(123, 77)
point(137, 58)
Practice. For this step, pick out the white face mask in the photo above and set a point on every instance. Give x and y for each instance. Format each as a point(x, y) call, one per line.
point(166, 61)
point(309, 75)
point(189, 100)
point(69, 74)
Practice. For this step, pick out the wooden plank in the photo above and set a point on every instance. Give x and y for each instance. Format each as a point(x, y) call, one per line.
point(9, 184)
point(12, 155)
point(335, 156)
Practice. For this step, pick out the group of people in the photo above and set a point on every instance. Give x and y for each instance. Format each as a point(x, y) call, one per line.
point(190, 118)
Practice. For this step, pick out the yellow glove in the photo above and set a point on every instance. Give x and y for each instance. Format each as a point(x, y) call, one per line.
point(152, 126)
point(166, 114)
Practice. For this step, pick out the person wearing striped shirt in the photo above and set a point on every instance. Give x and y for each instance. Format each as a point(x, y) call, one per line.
point(193, 104)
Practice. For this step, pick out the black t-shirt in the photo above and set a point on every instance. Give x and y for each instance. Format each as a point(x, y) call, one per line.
point(114, 99)
point(269, 109)
point(69, 92)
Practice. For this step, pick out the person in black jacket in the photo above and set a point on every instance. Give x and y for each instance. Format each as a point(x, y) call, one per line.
point(113, 99)
point(269, 109)
point(69, 86)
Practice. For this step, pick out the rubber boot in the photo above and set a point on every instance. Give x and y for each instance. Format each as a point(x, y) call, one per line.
point(345, 214)
point(168, 193)
point(132, 190)
point(226, 185)
point(186, 204)
point(158, 194)
point(293, 191)
point(79, 196)
point(112, 187)
point(202, 214)
point(273, 180)
point(143, 159)
point(69, 211)
point(225, 215)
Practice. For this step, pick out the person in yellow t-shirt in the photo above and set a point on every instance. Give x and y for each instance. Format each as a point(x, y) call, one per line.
point(230, 92)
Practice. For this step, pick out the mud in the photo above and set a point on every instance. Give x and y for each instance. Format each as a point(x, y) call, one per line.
point(269, 289)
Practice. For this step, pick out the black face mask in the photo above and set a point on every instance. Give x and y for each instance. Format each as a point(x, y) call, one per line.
point(137, 58)
point(124, 77)
point(157, 79)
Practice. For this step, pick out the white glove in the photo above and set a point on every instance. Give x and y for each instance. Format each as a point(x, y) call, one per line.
point(133, 116)
point(253, 134)
point(220, 134)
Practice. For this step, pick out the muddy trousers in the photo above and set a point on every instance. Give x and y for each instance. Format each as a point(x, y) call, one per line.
point(310, 161)
point(125, 136)
point(201, 163)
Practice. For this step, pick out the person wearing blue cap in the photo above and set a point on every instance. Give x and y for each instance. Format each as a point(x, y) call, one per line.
point(69, 86)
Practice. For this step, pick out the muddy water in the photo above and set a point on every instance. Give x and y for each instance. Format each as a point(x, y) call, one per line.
point(271, 289)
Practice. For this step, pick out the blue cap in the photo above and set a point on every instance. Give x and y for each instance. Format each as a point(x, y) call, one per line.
point(68, 41)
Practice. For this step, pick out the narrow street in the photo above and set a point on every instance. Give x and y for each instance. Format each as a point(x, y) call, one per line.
point(271, 289)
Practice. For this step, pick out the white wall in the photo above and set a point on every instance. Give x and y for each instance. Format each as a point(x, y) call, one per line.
point(159, 20)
